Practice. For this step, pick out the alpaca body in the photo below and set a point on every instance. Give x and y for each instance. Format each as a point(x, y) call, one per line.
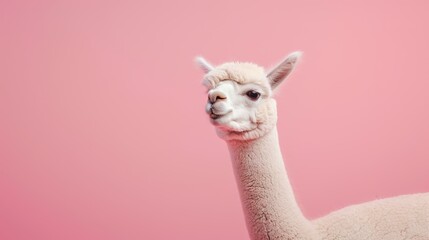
point(267, 198)
point(260, 172)
point(241, 107)
point(397, 218)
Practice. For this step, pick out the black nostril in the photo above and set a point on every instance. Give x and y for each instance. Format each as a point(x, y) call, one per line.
point(219, 98)
point(216, 96)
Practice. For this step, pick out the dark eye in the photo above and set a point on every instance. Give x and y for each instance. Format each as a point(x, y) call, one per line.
point(252, 94)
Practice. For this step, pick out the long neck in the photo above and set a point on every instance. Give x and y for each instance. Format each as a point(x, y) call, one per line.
point(267, 198)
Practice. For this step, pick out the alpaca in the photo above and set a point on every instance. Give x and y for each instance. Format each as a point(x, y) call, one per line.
point(241, 107)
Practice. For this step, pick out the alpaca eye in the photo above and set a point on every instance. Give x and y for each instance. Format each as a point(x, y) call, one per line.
point(252, 94)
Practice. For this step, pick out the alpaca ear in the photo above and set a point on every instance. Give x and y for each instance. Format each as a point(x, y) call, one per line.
point(282, 71)
point(204, 65)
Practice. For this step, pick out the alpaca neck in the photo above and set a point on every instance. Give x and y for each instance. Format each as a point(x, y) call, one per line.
point(267, 198)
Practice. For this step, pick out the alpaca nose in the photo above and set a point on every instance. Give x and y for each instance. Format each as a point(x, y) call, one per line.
point(216, 96)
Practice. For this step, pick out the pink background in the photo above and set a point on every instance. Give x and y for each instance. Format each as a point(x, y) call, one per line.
point(102, 127)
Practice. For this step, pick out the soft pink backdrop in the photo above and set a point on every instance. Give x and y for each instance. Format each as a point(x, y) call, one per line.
point(103, 133)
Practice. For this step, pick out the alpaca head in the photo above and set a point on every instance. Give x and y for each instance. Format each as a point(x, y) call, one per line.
point(240, 103)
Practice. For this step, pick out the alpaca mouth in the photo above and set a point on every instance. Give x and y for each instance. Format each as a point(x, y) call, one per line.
point(216, 116)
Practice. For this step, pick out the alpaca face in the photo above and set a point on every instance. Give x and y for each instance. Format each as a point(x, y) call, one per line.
point(239, 101)
point(237, 108)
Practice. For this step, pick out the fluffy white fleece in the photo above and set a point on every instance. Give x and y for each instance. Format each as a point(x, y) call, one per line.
point(267, 197)
point(241, 73)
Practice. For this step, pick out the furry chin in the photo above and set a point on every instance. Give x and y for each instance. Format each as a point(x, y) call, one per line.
point(241, 135)
point(232, 127)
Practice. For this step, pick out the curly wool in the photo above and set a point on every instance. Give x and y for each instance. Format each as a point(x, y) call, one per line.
point(239, 72)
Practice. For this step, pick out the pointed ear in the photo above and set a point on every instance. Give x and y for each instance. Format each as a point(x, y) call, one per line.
point(282, 71)
point(204, 65)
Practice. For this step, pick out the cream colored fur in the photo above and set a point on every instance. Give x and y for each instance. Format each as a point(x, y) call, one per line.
point(248, 125)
